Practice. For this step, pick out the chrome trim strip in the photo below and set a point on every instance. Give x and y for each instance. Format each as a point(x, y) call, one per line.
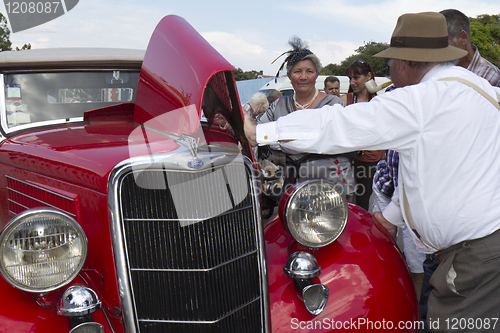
point(37, 200)
point(213, 156)
point(41, 124)
point(16, 203)
point(40, 188)
point(108, 321)
point(3, 110)
point(199, 322)
point(195, 269)
point(184, 220)
point(69, 69)
point(119, 248)
point(259, 226)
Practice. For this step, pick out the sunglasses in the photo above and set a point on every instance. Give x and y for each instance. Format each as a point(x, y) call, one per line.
point(360, 60)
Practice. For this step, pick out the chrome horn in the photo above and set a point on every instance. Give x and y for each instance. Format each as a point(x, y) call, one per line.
point(79, 303)
point(302, 267)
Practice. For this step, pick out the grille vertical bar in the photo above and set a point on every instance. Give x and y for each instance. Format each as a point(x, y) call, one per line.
point(193, 250)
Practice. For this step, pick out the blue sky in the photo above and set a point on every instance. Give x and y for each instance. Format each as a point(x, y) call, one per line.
point(249, 34)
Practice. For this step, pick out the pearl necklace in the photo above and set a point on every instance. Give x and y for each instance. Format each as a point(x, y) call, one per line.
point(305, 106)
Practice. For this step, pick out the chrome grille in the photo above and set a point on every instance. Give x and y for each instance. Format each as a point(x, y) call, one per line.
point(193, 250)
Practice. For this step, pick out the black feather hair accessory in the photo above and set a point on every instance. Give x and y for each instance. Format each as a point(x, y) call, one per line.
point(298, 52)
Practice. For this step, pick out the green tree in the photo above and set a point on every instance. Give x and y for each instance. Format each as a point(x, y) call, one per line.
point(24, 47)
point(485, 34)
point(331, 69)
point(366, 52)
point(5, 43)
point(239, 75)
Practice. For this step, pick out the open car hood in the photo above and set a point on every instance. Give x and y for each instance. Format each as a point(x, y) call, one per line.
point(177, 67)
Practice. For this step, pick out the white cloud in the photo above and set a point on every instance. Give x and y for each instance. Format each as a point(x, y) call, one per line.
point(332, 52)
point(342, 26)
point(334, 28)
point(232, 44)
point(241, 53)
point(94, 23)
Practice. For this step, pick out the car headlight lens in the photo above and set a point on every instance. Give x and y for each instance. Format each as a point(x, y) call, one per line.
point(42, 250)
point(316, 213)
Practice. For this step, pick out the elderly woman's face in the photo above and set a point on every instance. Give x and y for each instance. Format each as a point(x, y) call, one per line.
point(303, 76)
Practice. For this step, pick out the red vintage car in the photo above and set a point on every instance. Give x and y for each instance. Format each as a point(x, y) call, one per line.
point(125, 208)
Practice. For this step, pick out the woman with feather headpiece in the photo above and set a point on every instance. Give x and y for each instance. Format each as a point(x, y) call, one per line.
point(303, 68)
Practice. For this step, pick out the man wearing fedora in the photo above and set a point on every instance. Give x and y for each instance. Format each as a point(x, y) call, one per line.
point(444, 122)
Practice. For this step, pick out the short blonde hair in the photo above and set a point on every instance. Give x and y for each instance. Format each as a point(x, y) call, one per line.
point(259, 99)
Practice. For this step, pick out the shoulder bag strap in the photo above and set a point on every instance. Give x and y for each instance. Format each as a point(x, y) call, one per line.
point(476, 88)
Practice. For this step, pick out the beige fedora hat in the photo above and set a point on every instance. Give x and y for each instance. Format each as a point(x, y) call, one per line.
point(421, 37)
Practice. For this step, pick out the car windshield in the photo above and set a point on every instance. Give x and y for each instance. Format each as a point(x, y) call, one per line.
point(44, 98)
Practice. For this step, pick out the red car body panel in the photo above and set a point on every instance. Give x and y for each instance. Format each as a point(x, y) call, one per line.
point(69, 167)
point(362, 269)
point(170, 84)
point(69, 153)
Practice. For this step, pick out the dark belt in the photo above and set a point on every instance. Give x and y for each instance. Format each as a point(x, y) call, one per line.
point(314, 157)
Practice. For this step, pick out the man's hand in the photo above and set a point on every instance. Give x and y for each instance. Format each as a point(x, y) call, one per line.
point(391, 228)
point(250, 127)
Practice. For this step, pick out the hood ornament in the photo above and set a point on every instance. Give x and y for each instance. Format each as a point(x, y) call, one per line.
point(192, 145)
point(187, 141)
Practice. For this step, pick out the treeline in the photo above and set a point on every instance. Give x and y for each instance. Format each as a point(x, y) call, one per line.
point(485, 35)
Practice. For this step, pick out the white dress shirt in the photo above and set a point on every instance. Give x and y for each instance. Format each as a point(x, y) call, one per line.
point(448, 138)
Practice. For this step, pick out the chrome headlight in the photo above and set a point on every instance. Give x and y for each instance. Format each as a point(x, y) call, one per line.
point(315, 213)
point(42, 250)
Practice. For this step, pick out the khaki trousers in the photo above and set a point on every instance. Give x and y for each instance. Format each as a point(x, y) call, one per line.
point(466, 295)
